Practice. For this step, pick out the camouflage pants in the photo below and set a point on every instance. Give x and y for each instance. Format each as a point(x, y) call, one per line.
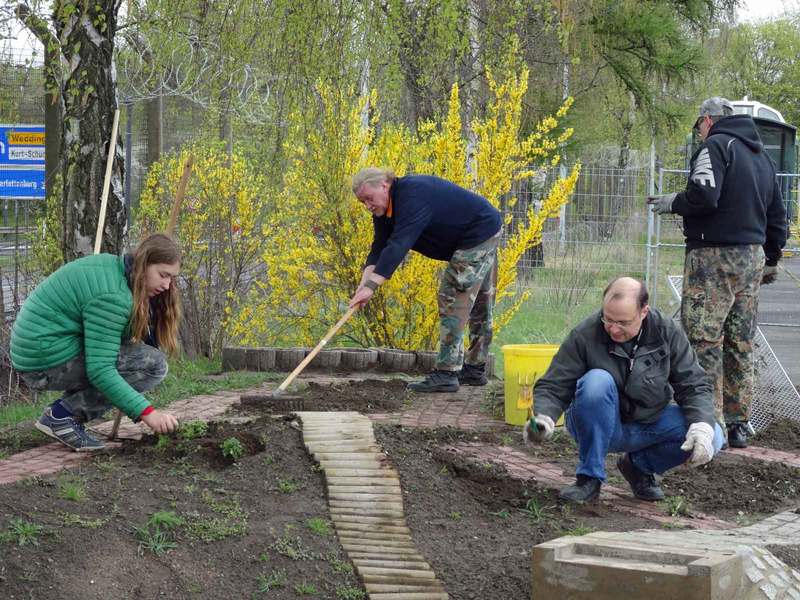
point(142, 366)
point(466, 294)
point(719, 308)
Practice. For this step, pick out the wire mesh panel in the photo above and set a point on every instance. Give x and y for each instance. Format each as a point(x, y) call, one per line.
point(774, 396)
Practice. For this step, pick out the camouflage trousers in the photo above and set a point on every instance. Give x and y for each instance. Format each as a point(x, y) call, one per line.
point(142, 366)
point(466, 294)
point(719, 308)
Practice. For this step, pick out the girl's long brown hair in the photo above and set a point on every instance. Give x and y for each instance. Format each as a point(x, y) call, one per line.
point(156, 249)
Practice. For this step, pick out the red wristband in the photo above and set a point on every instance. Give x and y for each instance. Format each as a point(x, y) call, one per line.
point(147, 411)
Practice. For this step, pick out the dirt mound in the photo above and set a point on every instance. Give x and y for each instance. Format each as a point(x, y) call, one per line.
point(782, 434)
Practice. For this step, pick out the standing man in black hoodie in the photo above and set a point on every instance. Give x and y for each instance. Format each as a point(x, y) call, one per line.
point(734, 221)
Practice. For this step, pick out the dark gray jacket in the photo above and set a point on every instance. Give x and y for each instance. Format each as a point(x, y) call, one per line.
point(665, 368)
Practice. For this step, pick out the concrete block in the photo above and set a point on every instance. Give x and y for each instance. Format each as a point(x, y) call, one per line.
point(357, 359)
point(398, 361)
point(286, 359)
point(426, 361)
point(326, 359)
point(586, 569)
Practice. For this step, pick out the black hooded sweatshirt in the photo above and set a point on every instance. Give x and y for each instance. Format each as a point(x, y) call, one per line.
point(733, 197)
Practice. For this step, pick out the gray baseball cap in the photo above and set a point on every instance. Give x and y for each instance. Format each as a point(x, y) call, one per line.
point(716, 107)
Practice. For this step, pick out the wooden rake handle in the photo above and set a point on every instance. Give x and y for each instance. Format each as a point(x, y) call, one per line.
point(298, 369)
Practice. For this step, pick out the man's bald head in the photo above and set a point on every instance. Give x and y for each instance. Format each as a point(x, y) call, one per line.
point(626, 288)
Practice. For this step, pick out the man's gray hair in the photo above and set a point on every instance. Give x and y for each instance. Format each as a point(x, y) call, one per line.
point(716, 107)
point(371, 176)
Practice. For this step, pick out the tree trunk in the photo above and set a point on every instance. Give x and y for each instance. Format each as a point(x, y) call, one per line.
point(89, 100)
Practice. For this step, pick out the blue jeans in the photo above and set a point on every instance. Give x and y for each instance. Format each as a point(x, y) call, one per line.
point(593, 420)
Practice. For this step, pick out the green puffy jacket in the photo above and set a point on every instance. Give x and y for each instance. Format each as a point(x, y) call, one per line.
point(84, 307)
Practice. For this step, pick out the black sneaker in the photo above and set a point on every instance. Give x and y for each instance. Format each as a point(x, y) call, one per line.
point(585, 489)
point(69, 431)
point(473, 375)
point(436, 381)
point(737, 435)
point(643, 485)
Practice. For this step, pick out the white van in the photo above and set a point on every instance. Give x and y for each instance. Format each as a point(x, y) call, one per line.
point(745, 106)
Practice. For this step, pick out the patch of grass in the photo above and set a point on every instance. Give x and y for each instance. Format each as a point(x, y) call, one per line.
point(75, 520)
point(232, 448)
point(339, 565)
point(162, 442)
point(305, 589)
point(268, 459)
point(212, 529)
point(347, 592)
point(157, 535)
point(675, 506)
point(455, 515)
point(287, 486)
point(578, 530)
point(189, 378)
point(165, 519)
point(535, 511)
point(276, 579)
point(229, 507)
point(501, 514)
point(320, 526)
point(72, 489)
point(11, 414)
point(21, 533)
point(292, 547)
point(193, 430)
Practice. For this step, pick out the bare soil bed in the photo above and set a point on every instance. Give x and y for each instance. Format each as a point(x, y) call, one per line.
point(179, 517)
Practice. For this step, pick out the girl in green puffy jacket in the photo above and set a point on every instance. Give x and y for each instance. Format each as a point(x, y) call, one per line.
point(95, 329)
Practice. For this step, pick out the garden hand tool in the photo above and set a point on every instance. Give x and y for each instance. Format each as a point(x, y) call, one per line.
point(299, 368)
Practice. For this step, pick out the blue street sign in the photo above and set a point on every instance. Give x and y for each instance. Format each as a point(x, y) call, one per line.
point(22, 161)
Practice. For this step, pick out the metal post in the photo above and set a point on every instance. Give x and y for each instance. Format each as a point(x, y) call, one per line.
point(128, 160)
point(650, 216)
point(562, 214)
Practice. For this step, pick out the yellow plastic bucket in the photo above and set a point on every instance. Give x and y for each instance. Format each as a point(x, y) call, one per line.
point(524, 364)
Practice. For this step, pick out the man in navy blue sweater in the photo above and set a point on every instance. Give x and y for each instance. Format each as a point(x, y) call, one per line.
point(442, 221)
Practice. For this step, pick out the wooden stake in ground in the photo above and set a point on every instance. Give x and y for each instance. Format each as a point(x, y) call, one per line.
point(173, 220)
point(112, 151)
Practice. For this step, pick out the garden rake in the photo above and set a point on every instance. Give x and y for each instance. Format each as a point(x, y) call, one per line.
point(278, 398)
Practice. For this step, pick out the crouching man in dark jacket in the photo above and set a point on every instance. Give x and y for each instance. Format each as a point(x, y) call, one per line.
point(629, 382)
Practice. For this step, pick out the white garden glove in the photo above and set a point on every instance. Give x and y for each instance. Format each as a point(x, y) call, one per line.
point(662, 204)
point(538, 429)
point(700, 442)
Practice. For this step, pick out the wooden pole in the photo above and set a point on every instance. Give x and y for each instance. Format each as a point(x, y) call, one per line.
point(173, 220)
point(112, 151)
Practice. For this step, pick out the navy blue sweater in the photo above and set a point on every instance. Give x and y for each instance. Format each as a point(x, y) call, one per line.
point(432, 216)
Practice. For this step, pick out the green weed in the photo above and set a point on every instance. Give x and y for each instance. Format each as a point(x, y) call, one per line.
point(305, 589)
point(287, 486)
point(72, 489)
point(193, 430)
point(211, 529)
point(320, 526)
point(292, 547)
point(675, 506)
point(501, 514)
point(73, 520)
point(232, 448)
point(578, 530)
point(455, 515)
point(276, 579)
point(535, 511)
point(22, 533)
point(339, 565)
point(346, 592)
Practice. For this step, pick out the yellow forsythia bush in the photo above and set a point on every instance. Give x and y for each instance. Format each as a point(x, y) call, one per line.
point(318, 235)
point(219, 227)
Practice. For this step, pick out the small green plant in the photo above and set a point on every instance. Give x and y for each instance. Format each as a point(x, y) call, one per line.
point(676, 506)
point(743, 519)
point(193, 430)
point(268, 459)
point(305, 589)
point(535, 511)
point(72, 489)
point(292, 547)
point(320, 526)
point(346, 592)
point(276, 579)
point(162, 442)
point(339, 565)
point(232, 448)
point(73, 520)
point(21, 533)
point(501, 514)
point(211, 529)
point(165, 519)
point(506, 439)
point(455, 515)
point(287, 486)
point(578, 530)
point(263, 557)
